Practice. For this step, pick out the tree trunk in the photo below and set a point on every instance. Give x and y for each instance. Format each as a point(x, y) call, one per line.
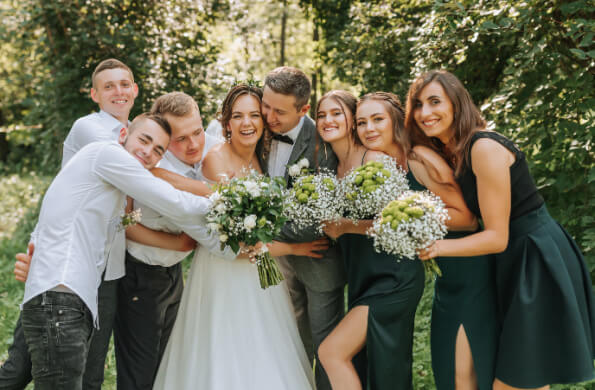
point(283, 28)
point(3, 141)
point(314, 96)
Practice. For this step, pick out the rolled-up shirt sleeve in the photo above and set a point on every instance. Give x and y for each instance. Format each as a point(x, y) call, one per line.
point(117, 167)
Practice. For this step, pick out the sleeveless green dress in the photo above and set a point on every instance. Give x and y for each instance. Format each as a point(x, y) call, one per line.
point(391, 288)
point(543, 288)
point(465, 295)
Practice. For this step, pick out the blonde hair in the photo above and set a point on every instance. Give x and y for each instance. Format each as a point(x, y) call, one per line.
point(175, 103)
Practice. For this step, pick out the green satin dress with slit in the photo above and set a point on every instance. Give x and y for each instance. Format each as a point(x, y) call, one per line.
point(391, 288)
point(465, 295)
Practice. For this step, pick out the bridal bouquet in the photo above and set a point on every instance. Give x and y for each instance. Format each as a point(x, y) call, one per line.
point(411, 222)
point(367, 189)
point(249, 210)
point(312, 200)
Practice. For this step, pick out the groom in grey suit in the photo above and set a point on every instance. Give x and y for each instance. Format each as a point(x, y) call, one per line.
point(315, 285)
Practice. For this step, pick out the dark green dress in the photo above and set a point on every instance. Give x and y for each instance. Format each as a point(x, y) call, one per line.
point(391, 288)
point(465, 295)
point(544, 292)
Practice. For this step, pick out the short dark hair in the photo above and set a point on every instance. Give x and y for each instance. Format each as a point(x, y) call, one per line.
point(110, 63)
point(161, 121)
point(287, 80)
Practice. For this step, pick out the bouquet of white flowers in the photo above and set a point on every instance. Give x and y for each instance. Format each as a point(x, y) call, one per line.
point(312, 200)
point(411, 222)
point(370, 187)
point(249, 210)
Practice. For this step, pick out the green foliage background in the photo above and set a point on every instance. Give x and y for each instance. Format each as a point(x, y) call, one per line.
point(529, 65)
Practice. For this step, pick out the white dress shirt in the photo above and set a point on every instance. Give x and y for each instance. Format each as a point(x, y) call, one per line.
point(99, 126)
point(157, 256)
point(83, 200)
point(281, 151)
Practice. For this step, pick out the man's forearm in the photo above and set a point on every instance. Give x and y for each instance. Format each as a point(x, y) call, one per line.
point(182, 183)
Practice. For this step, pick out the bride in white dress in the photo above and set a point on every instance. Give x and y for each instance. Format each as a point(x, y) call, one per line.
point(229, 333)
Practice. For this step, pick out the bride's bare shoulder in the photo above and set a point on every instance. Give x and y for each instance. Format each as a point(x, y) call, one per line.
point(213, 164)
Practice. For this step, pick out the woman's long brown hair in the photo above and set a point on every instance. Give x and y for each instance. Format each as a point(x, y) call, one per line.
point(467, 119)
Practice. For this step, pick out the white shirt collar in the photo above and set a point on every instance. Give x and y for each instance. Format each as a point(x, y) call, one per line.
point(109, 118)
point(179, 166)
point(295, 132)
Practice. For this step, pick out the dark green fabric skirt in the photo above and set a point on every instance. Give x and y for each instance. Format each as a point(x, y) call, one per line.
point(545, 305)
point(465, 295)
point(385, 362)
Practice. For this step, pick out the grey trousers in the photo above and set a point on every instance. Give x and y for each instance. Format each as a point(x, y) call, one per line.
point(317, 313)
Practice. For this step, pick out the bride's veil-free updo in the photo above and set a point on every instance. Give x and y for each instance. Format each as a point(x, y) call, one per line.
point(234, 93)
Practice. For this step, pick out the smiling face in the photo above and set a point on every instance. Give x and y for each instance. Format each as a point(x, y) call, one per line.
point(146, 142)
point(187, 137)
point(375, 126)
point(433, 112)
point(280, 112)
point(245, 124)
point(333, 120)
point(114, 91)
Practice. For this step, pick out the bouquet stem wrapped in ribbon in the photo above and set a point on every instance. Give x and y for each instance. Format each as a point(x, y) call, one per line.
point(410, 223)
point(248, 211)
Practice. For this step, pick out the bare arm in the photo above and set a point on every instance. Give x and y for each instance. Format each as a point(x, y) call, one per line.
point(435, 174)
point(309, 249)
point(346, 226)
point(176, 242)
point(491, 165)
point(183, 183)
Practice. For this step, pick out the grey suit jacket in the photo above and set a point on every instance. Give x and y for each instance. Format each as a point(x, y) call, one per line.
point(327, 273)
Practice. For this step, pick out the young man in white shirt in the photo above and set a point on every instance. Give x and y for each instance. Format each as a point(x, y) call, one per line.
point(146, 315)
point(83, 201)
point(114, 90)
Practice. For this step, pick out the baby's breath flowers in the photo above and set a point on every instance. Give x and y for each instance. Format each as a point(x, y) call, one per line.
point(370, 187)
point(130, 219)
point(312, 200)
point(410, 223)
point(249, 210)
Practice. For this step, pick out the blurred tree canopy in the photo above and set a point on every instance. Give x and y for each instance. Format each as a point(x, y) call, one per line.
point(53, 48)
point(528, 65)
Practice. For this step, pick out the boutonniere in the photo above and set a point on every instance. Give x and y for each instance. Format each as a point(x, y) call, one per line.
point(299, 168)
point(129, 219)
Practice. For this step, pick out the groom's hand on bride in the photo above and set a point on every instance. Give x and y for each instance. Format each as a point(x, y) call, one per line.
point(311, 249)
point(21, 266)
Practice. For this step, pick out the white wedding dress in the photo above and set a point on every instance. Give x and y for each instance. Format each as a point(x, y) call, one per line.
point(232, 335)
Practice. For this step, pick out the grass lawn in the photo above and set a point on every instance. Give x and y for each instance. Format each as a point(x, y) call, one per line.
point(19, 197)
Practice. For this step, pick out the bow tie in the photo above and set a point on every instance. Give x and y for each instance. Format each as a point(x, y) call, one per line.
point(282, 138)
